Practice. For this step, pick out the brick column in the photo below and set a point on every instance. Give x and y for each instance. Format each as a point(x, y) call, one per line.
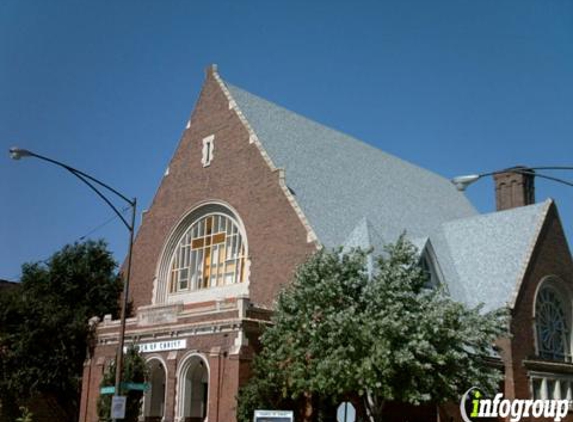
point(86, 377)
point(96, 373)
point(170, 387)
point(215, 382)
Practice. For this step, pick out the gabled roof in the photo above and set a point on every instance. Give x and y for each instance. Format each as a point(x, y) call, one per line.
point(354, 195)
point(483, 258)
point(338, 180)
point(364, 236)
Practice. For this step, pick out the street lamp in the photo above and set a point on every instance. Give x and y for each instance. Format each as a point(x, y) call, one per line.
point(93, 183)
point(462, 182)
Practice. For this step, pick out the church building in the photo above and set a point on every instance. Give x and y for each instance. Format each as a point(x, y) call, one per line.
point(253, 189)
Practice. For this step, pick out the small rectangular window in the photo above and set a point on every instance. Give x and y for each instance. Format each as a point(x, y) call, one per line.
point(208, 149)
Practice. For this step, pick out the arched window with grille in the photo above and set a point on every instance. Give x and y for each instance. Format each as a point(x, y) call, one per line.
point(211, 253)
point(204, 258)
point(553, 321)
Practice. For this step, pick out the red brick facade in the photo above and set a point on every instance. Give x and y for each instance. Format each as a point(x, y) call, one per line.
point(240, 178)
point(551, 257)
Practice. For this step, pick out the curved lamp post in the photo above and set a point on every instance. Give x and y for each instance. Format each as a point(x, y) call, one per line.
point(462, 182)
point(93, 183)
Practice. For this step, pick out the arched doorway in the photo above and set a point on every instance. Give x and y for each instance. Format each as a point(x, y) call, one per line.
point(194, 390)
point(154, 399)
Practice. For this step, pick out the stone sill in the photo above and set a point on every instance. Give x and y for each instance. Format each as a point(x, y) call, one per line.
point(548, 366)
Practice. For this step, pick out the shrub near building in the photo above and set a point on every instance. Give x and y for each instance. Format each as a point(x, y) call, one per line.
point(388, 336)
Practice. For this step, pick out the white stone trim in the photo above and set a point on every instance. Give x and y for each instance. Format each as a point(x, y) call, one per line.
point(158, 314)
point(208, 294)
point(208, 150)
point(160, 294)
point(253, 139)
point(178, 331)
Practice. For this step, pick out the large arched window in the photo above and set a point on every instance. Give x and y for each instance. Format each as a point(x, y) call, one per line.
point(205, 257)
point(553, 321)
point(211, 253)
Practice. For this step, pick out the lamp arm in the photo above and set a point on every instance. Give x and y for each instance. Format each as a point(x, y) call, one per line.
point(82, 177)
point(544, 176)
point(552, 168)
point(462, 182)
point(79, 173)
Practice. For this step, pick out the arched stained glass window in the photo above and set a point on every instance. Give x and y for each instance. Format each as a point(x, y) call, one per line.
point(552, 324)
point(210, 254)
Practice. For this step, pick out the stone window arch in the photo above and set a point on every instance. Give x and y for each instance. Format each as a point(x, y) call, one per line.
point(206, 256)
point(553, 320)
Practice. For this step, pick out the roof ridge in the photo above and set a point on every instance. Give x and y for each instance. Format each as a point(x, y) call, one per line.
point(503, 239)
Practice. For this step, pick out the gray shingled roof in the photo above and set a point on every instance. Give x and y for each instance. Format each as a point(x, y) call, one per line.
point(355, 195)
point(339, 180)
point(483, 258)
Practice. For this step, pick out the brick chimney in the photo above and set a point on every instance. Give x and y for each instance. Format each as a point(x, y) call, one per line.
point(514, 189)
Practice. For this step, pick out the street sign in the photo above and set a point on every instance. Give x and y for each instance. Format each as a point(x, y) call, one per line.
point(118, 407)
point(273, 416)
point(107, 390)
point(135, 386)
point(346, 412)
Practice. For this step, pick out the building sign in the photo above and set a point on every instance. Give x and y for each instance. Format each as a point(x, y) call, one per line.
point(161, 346)
point(118, 407)
point(273, 416)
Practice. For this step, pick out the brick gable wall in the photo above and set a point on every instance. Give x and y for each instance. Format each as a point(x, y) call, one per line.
point(551, 256)
point(239, 176)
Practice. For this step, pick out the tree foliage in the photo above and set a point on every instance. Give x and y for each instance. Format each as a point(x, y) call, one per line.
point(134, 370)
point(387, 336)
point(44, 331)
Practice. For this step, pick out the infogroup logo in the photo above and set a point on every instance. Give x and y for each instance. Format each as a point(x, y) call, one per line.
point(481, 407)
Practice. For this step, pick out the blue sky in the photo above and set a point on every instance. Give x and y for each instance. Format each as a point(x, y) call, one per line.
point(107, 86)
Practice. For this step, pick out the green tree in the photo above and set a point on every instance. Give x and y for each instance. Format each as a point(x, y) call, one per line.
point(386, 337)
point(44, 333)
point(134, 370)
